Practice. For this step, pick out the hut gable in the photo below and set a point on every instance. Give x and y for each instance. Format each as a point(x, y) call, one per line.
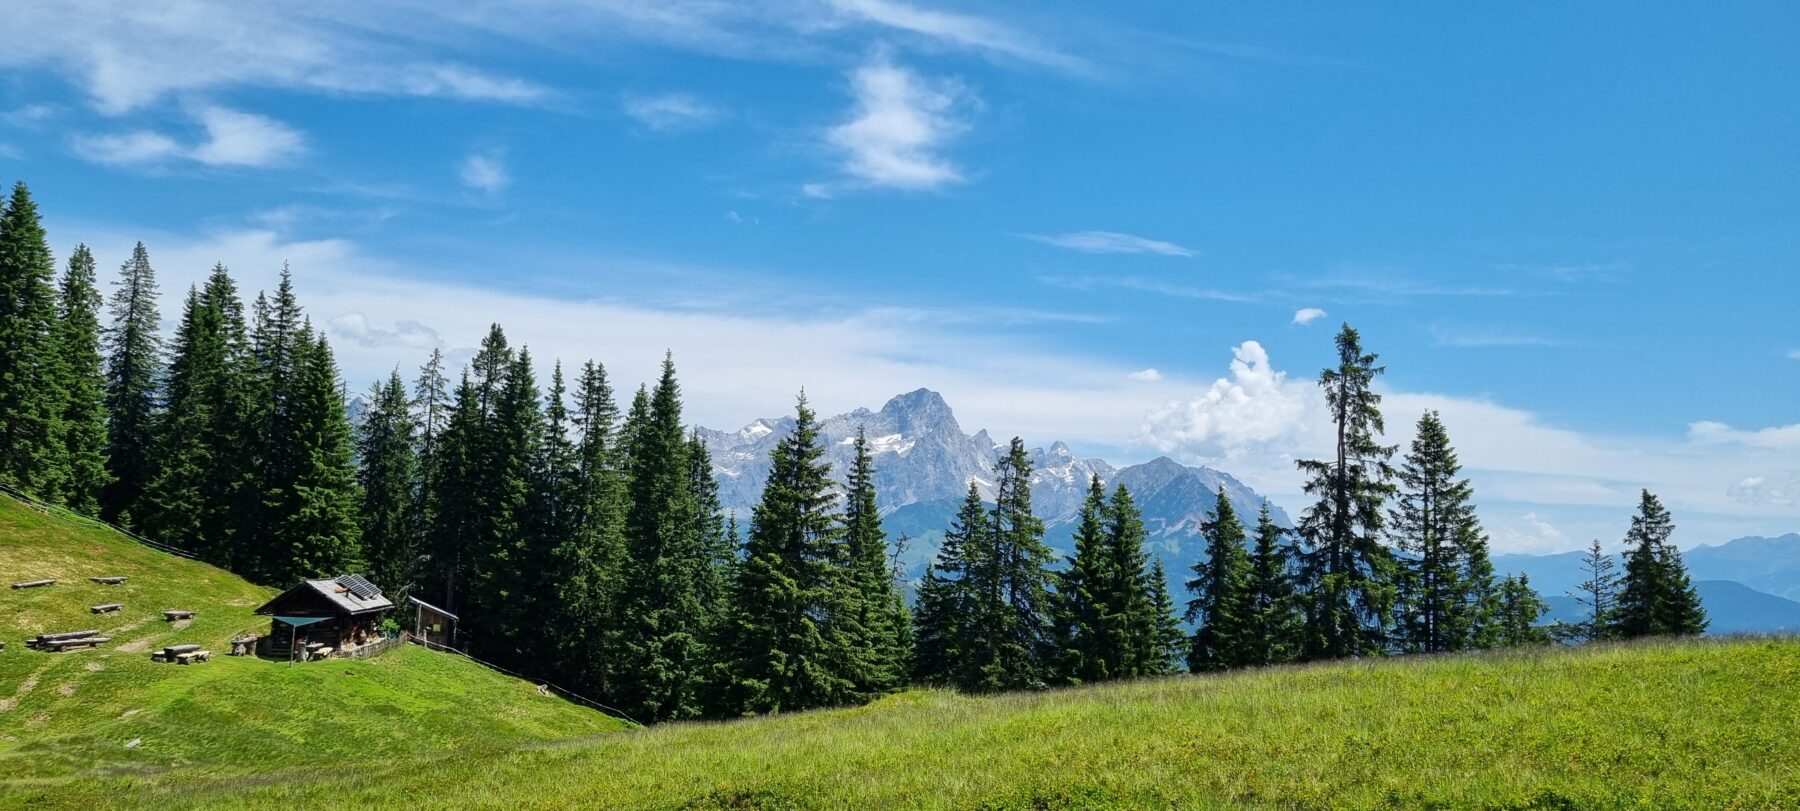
point(346, 595)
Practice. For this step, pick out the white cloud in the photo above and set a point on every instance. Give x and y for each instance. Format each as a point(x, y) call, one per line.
point(670, 112)
point(127, 148)
point(244, 139)
point(1472, 336)
point(407, 334)
point(1779, 489)
point(1307, 315)
point(1110, 242)
point(1256, 409)
point(233, 138)
point(485, 171)
point(1778, 438)
point(959, 29)
point(1531, 534)
point(1793, 354)
point(900, 123)
point(1146, 375)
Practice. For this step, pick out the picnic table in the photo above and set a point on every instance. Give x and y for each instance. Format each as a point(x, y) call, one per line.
point(61, 645)
point(173, 614)
point(107, 608)
point(315, 651)
point(43, 640)
point(32, 584)
point(108, 581)
point(192, 656)
point(243, 645)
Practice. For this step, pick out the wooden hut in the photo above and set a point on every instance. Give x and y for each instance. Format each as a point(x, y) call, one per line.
point(319, 618)
point(433, 625)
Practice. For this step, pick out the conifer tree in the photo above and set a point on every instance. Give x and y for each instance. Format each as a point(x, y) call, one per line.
point(658, 655)
point(1598, 594)
point(1166, 643)
point(1345, 573)
point(879, 610)
point(1222, 604)
point(312, 516)
point(1445, 586)
point(1272, 633)
point(718, 548)
point(31, 373)
point(197, 498)
point(1519, 611)
point(789, 635)
point(455, 472)
point(83, 410)
point(1009, 644)
point(590, 557)
point(1655, 595)
point(942, 645)
point(1130, 592)
point(503, 561)
point(431, 407)
point(133, 370)
point(386, 445)
point(1087, 651)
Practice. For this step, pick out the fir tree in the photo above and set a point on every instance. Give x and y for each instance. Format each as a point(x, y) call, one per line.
point(1009, 644)
point(83, 410)
point(718, 548)
point(1166, 643)
point(31, 374)
point(789, 633)
point(1222, 602)
point(1129, 592)
point(942, 643)
point(1655, 595)
point(1446, 582)
point(590, 557)
point(504, 561)
point(312, 521)
point(456, 471)
point(1345, 573)
point(1087, 650)
point(879, 610)
point(431, 407)
point(658, 656)
point(1272, 633)
point(133, 368)
point(1598, 594)
point(389, 482)
point(1519, 611)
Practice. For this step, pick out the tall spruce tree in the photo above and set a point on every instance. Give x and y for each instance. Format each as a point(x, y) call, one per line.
point(1345, 573)
point(1223, 601)
point(943, 647)
point(879, 609)
point(1087, 648)
point(789, 635)
point(388, 478)
point(83, 410)
point(718, 548)
point(658, 659)
point(503, 561)
point(196, 498)
point(1167, 643)
point(1447, 580)
point(1010, 643)
point(312, 514)
point(1655, 596)
point(431, 407)
point(31, 373)
point(1131, 591)
point(455, 479)
point(1518, 614)
point(590, 557)
point(133, 373)
point(1272, 634)
point(1598, 594)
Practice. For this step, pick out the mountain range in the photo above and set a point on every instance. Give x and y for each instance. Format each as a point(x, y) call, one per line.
point(924, 463)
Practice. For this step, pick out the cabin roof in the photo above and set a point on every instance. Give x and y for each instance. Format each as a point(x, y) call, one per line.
point(347, 594)
point(429, 607)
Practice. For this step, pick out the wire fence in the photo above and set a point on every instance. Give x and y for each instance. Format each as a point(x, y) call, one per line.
point(64, 512)
point(614, 711)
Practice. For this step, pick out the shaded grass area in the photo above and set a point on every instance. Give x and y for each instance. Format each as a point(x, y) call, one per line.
point(1693, 724)
point(70, 715)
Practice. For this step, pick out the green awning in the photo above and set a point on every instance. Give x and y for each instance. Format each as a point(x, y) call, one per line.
point(298, 622)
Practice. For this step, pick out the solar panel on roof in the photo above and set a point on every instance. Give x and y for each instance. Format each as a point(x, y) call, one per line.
point(362, 589)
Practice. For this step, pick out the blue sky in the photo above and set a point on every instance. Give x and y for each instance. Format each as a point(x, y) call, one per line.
point(1572, 230)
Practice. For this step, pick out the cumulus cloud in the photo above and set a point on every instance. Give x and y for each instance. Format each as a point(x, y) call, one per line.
point(670, 112)
point(899, 125)
point(1529, 534)
point(233, 138)
point(1778, 489)
point(1110, 242)
point(485, 171)
point(1255, 409)
point(1146, 375)
point(406, 333)
point(1307, 315)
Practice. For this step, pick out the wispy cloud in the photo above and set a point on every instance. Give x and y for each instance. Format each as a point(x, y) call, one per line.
point(964, 30)
point(485, 171)
point(1110, 242)
point(1150, 375)
point(232, 138)
point(1307, 315)
point(1475, 336)
point(670, 112)
point(1143, 285)
point(1391, 285)
point(898, 127)
point(1793, 354)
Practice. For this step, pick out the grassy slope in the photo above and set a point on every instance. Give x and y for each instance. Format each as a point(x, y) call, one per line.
point(69, 715)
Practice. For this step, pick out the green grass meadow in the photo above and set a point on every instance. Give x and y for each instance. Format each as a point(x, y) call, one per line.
point(1664, 724)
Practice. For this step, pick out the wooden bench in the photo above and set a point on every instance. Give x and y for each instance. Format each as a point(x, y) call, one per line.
point(172, 615)
point(192, 656)
point(243, 646)
point(108, 581)
point(41, 640)
point(32, 584)
point(62, 645)
point(107, 609)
